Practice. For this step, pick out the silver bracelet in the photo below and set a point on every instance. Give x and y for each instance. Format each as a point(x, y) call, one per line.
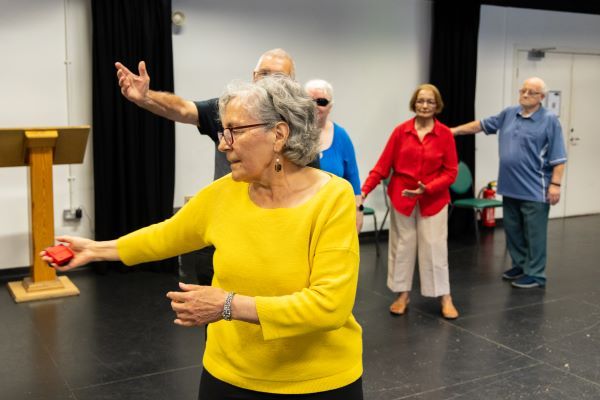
point(226, 314)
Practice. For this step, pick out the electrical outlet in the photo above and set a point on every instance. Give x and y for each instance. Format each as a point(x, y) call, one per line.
point(72, 215)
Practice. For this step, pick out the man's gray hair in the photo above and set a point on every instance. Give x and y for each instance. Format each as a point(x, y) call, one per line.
point(320, 84)
point(281, 54)
point(274, 99)
point(538, 82)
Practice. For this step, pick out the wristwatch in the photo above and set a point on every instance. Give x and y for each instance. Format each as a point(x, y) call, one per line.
point(360, 208)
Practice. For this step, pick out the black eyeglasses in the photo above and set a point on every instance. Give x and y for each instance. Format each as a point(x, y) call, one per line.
point(321, 102)
point(228, 133)
point(529, 92)
point(262, 73)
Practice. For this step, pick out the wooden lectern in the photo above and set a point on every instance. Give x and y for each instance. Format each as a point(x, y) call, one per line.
point(40, 148)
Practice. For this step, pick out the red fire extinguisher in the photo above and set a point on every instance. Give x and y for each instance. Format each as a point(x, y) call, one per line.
point(488, 218)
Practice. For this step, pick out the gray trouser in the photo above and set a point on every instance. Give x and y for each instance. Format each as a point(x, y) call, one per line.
point(526, 227)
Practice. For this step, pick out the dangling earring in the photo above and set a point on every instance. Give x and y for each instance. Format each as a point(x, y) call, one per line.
point(278, 165)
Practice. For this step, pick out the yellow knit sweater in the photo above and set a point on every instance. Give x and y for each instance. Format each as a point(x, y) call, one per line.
point(301, 266)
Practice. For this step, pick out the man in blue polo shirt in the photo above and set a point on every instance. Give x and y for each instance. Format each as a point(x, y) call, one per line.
point(532, 160)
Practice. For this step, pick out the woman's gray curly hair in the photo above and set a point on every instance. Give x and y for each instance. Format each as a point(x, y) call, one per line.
point(274, 99)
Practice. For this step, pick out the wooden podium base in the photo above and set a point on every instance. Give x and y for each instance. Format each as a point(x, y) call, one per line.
point(27, 290)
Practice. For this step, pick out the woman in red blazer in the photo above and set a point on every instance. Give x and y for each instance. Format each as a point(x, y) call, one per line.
point(421, 156)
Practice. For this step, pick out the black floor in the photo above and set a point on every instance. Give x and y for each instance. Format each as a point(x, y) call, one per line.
point(117, 340)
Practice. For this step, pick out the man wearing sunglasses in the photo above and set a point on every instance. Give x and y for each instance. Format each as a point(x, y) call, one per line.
point(202, 114)
point(532, 161)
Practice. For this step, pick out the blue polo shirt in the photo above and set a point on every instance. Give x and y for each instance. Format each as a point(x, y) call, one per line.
point(529, 149)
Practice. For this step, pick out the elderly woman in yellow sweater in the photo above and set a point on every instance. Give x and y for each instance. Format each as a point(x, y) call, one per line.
point(286, 260)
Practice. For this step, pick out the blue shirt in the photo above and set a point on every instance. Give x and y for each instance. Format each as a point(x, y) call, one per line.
point(339, 159)
point(529, 149)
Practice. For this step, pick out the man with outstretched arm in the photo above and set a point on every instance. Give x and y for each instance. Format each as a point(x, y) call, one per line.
point(532, 160)
point(202, 114)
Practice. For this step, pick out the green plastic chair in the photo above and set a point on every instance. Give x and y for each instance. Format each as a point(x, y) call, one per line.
point(462, 184)
point(370, 211)
point(386, 183)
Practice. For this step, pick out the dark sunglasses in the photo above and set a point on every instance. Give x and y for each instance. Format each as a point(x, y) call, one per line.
point(321, 102)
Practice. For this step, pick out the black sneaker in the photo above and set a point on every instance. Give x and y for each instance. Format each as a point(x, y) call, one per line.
point(513, 273)
point(526, 282)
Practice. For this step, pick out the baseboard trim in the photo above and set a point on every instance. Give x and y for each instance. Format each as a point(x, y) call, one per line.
point(12, 274)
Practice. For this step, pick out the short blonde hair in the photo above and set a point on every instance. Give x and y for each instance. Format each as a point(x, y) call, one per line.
point(436, 93)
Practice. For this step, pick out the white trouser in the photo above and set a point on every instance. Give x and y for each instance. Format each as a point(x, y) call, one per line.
point(428, 236)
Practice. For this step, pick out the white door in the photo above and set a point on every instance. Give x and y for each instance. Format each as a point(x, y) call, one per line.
point(583, 137)
point(576, 79)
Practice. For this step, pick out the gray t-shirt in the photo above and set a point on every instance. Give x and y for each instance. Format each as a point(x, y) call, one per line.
point(210, 125)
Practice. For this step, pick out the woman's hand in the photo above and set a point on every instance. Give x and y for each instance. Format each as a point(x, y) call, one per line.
point(197, 305)
point(81, 247)
point(359, 221)
point(359, 211)
point(415, 192)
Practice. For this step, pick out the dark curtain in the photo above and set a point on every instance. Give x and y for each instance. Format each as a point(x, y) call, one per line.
point(134, 150)
point(454, 71)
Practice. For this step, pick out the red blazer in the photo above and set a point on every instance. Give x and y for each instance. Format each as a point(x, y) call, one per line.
point(432, 161)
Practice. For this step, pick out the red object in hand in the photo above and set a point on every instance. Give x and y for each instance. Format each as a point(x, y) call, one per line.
point(60, 254)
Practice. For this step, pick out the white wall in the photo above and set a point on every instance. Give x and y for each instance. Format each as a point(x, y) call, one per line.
point(502, 31)
point(374, 54)
point(37, 90)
